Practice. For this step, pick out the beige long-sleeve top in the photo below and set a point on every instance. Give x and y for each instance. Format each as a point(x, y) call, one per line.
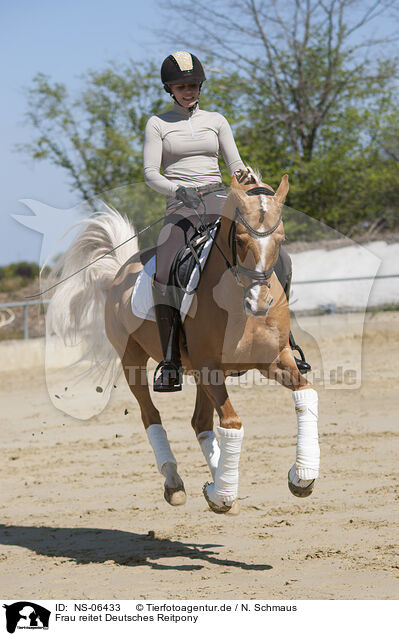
point(185, 146)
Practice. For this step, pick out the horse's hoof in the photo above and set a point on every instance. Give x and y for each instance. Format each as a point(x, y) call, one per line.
point(298, 491)
point(175, 496)
point(235, 509)
point(220, 510)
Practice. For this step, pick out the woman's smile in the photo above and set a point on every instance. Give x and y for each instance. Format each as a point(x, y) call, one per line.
point(186, 94)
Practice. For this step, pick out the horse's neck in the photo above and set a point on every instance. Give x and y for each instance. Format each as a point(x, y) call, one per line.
point(229, 208)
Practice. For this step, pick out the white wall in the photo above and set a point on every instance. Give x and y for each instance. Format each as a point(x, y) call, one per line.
point(375, 258)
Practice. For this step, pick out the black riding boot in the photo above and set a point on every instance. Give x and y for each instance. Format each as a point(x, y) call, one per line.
point(168, 374)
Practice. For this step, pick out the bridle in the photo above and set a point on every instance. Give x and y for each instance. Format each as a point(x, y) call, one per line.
point(258, 278)
point(235, 267)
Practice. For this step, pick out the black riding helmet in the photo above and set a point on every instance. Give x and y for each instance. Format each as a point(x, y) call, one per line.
point(181, 68)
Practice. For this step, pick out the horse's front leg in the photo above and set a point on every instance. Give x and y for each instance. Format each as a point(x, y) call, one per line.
point(222, 492)
point(302, 475)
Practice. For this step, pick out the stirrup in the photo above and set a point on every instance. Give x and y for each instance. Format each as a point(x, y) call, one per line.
point(302, 365)
point(169, 378)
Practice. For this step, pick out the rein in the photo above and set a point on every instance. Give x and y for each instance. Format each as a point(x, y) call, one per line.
point(179, 205)
point(259, 278)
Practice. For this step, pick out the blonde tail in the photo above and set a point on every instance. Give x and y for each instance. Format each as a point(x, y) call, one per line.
point(76, 311)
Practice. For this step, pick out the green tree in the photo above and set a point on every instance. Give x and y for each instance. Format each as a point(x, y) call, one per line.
point(304, 85)
point(98, 135)
point(315, 95)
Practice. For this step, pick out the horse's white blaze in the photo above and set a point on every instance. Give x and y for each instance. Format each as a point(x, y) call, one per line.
point(263, 243)
point(263, 203)
point(253, 296)
point(261, 265)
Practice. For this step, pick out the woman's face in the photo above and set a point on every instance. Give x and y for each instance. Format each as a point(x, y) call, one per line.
point(186, 94)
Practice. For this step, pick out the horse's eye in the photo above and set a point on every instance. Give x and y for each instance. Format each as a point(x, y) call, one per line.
point(240, 243)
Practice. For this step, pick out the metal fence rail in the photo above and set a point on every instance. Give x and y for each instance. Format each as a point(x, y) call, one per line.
point(28, 303)
point(340, 280)
point(25, 304)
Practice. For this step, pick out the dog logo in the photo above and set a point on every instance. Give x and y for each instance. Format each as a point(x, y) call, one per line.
point(26, 615)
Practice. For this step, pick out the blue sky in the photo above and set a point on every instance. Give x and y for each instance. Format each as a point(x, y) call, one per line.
point(63, 40)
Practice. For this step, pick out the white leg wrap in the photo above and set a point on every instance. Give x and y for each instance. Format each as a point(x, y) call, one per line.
point(307, 449)
point(160, 445)
point(294, 479)
point(210, 448)
point(225, 487)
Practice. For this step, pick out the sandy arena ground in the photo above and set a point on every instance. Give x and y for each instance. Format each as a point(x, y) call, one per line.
point(83, 514)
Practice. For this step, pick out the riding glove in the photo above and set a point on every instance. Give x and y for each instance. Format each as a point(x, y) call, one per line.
point(188, 196)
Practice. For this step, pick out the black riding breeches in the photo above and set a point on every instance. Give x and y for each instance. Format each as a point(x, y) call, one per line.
point(180, 226)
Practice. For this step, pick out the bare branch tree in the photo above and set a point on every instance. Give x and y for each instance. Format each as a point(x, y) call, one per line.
point(301, 59)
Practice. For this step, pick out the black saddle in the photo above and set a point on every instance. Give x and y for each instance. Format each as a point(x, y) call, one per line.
point(188, 258)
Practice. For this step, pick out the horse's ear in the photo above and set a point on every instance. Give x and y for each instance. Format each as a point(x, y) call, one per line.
point(282, 190)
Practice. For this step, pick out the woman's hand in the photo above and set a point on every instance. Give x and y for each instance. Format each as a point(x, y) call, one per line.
point(188, 196)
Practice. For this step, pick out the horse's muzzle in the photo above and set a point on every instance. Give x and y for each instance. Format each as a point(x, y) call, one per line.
point(252, 308)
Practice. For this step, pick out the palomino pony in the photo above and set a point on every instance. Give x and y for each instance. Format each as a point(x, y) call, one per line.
point(241, 322)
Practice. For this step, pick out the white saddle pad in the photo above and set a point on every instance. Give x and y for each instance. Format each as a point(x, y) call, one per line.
point(142, 302)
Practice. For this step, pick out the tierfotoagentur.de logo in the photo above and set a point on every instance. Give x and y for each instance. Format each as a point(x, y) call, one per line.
point(26, 615)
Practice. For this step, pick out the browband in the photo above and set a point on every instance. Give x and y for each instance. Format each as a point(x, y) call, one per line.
point(259, 190)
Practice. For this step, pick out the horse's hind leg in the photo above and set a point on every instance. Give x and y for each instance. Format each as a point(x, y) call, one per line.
point(302, 475)
point(134, 364)
point(202, 423)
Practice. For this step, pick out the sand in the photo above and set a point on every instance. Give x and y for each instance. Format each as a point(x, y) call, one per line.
point(83, 514)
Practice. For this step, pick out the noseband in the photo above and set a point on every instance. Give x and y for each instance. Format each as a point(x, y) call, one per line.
point(258, 278)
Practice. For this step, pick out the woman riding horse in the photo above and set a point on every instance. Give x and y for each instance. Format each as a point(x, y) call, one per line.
point(184, 142)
